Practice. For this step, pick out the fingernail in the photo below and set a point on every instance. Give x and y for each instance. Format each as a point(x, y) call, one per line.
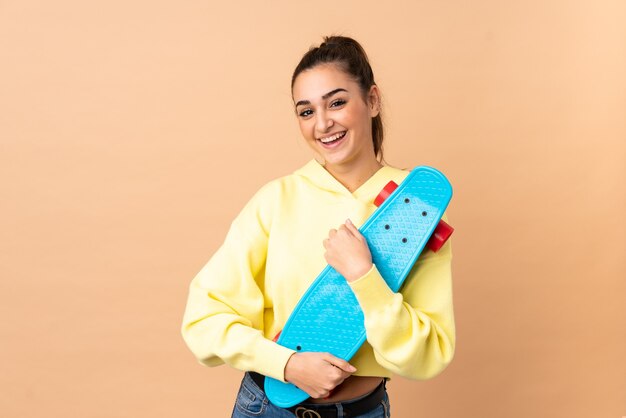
point(348, 221)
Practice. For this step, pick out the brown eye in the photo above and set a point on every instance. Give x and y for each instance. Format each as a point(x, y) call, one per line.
point(305, 113)
point(339, 102)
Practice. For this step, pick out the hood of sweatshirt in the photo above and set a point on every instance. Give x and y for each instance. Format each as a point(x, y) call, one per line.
point(315, 173)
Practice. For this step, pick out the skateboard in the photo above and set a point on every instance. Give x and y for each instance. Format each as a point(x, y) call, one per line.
point(328, 317)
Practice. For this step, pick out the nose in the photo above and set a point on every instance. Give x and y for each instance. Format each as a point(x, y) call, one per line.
point(323, 122)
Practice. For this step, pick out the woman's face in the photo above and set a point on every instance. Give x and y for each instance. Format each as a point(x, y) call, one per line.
point(334, 119)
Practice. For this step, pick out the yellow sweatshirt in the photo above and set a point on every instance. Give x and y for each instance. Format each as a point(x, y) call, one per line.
point(273, 251)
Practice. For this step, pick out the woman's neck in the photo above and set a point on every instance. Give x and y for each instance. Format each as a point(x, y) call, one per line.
point(354, 175)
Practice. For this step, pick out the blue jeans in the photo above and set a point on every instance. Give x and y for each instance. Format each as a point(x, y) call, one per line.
point(253, 402)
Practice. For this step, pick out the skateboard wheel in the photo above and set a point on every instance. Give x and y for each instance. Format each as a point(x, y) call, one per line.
point(385, 193)
point(440, 236)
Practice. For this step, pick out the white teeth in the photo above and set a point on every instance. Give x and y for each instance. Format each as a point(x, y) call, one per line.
point(332, 138)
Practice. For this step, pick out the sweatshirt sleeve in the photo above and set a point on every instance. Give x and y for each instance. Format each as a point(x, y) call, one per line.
point(412, 332)
point(223, 319)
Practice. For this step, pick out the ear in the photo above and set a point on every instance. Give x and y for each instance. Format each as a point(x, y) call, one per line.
point(373, 101)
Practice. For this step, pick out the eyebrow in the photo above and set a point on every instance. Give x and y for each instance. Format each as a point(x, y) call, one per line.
point(324, 97)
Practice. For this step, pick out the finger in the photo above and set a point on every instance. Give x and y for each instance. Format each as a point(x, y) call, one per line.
point(322, 394)
point(340, 363)
point(353, 229)
point(325, 243)
point(332, 233)
point(344, 230)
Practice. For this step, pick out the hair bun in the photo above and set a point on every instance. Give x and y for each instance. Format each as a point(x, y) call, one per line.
point(334, 41)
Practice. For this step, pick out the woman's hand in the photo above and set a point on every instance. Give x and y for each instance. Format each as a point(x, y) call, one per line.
point(317, 373)
point(347, 251)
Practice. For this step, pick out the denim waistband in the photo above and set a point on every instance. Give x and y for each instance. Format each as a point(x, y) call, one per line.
point(349, 408)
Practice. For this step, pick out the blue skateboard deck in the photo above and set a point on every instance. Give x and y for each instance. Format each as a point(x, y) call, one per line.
point(328, 317)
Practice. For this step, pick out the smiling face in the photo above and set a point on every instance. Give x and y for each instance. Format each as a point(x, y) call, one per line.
point(334, 117)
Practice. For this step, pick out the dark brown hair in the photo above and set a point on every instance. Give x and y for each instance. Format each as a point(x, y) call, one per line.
point(351, 58)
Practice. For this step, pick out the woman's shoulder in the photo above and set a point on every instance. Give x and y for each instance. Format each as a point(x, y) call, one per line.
point(276, 187)
point(285, 184)
point(275, 190)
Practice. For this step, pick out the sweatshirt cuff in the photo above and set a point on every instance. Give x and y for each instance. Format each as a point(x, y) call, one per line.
point(372, 291)
point(277, 357)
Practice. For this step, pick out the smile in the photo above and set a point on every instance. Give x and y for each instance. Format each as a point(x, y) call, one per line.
point(333, 138)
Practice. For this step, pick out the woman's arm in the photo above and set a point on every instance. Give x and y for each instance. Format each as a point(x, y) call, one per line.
point(412, 332)
point(223, 320)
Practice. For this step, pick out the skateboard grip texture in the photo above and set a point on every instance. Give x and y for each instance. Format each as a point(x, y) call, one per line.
point(328, 317)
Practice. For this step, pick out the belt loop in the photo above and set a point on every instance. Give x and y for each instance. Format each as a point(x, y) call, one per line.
point(339, 406)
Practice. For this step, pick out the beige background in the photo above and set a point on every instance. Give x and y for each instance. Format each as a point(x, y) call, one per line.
point(132, 132)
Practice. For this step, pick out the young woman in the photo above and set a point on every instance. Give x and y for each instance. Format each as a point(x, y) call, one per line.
point(287, 233)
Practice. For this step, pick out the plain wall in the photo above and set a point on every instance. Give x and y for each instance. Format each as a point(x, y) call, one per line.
point(132, 132)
